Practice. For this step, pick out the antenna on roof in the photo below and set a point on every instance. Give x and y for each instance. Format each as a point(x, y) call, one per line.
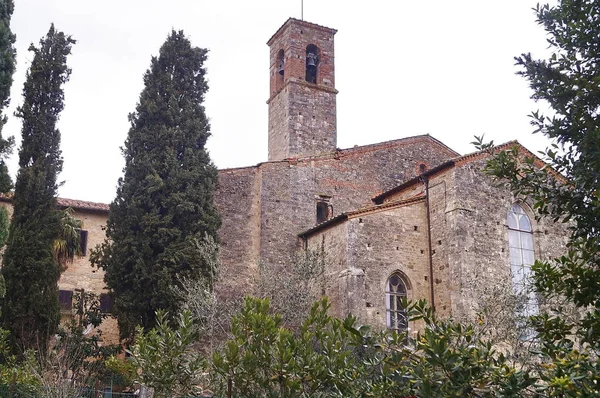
point(302, 10)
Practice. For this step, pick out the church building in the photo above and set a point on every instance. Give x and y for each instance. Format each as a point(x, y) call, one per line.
point(404, 218)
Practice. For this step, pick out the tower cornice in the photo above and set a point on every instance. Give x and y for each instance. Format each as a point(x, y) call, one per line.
point(299, 22)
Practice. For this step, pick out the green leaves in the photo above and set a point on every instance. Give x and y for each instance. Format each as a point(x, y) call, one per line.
point(164, 202)
point(31, 311)
point(328, 357)
point(569, 81)
point(166, 357)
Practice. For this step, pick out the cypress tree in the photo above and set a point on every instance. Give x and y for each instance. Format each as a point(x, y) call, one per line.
point(31, 311)
point(7, 69)
point(164, 202)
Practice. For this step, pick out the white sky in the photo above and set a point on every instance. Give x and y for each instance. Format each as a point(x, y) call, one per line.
point(402, 68)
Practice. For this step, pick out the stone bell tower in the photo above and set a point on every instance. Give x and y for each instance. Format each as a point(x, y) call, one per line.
point(302, 110)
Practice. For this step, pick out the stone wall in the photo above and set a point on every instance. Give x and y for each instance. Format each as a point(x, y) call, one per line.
point(477, 251)
point(238, 202)
point(81, 275)
point(265, 208)
point(469, 244)
point(469, 232)
point(376, 244)
point(333, 242)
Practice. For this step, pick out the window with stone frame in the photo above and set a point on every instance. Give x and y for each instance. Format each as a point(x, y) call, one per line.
point(520, 243)
point(324, 208)
point(395, 292)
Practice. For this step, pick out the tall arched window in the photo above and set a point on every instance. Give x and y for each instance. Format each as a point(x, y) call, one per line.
point(395, 291)
point(520, 242)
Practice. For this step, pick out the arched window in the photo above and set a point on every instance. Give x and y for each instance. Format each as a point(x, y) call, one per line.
point(395, 291)
point(279, 70)
point(520, 243)
point(312, 63)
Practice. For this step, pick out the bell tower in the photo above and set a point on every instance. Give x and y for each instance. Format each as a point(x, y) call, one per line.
point(302, 110)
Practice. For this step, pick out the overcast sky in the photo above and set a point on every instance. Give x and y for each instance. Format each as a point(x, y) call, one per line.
point(403, 68)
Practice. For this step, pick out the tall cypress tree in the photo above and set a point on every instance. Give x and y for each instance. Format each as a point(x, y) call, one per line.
point(7, 69)
point(31, 311)
point(164, 201)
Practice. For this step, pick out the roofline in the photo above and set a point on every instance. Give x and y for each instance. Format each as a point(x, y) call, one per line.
point(457, 161)
point(301, 22)
point(378, 200)
point(363, 210)
point(84, 205)
point(75, 204)
point(340, 153)
point(324, 224)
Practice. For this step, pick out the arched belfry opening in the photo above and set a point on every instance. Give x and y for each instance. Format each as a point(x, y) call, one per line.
point(280, 69)
point(312, 63)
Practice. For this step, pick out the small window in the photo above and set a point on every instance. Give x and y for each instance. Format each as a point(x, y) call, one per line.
point(83, 236)
point(106, 303)
point(65, 298)
point(324, 208)
point(396, 291)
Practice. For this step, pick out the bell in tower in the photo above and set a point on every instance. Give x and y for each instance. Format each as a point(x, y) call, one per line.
point(281, 63)
point(312, 59)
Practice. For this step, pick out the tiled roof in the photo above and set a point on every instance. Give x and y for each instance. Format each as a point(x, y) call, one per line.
point(72, 203)
point(82, 204)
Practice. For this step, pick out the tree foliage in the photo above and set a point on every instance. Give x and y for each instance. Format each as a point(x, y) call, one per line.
point(569, 82)
point(167, 359)
point(79, 350)
point(7, 69)
point(164, 202)
point(31, 310)
point(330, 357)
point(68, 243)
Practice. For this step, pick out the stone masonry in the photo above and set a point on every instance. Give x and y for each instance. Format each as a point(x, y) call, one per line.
point(302, 114)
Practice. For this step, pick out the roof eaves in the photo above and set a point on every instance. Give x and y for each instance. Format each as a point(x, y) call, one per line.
point(379, 198)
point(301, 22)
point(72, 203)
point(364, 210)
point(324, 224)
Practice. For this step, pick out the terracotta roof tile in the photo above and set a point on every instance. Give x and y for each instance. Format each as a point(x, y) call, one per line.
point(82, 204)
point(73, 203)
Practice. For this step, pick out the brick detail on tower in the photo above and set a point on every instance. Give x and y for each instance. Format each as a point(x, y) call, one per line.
point(302, 114)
